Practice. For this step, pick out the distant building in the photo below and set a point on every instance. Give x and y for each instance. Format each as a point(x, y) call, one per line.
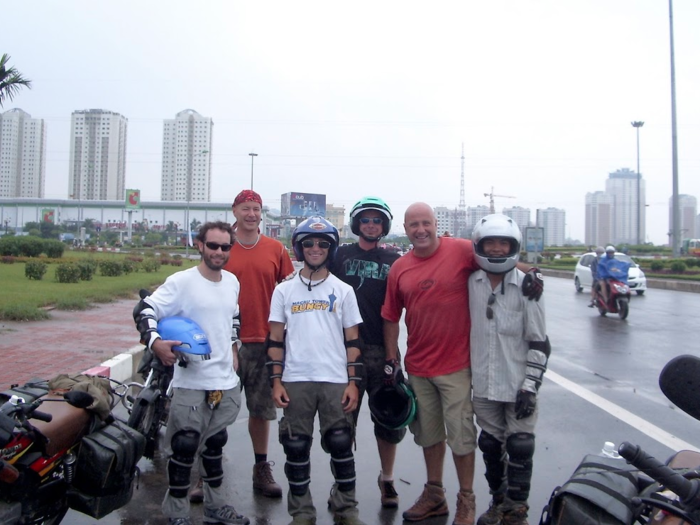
point(553, 220)
point(445, 219)
point(689, 209)
point(336, 215)
point(599, 218)
point(186, 171)
point(22, 155)
point(97, 155)
point(520, 215)
point(474, 215)
point(622, 187)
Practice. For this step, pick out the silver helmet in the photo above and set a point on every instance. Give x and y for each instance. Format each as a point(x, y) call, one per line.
point(497, 225)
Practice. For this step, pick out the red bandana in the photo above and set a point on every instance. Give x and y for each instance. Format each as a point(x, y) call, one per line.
point(247, 196)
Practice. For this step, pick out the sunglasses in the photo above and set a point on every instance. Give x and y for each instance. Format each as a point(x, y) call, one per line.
point(375, 220)
point(489, 310)
point(213, 246)
point(309, 243)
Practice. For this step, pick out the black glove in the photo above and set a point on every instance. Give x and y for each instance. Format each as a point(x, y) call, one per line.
point(533, 284)
point(393, 374)
point(525, 403)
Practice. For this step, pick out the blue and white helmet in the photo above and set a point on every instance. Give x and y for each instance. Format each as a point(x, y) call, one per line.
point(315, 227)
point(195, 343)
point(502, 226)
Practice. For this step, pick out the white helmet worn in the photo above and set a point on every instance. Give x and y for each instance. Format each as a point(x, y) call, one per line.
point(610, 249)
point(502, 226)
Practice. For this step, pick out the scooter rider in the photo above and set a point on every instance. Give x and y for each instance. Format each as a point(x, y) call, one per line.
point(604, 273)
point(314, 369)
point(595, 285)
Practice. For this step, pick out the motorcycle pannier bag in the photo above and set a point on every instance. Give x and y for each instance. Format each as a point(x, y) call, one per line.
point(599, 492)
point(105, 470)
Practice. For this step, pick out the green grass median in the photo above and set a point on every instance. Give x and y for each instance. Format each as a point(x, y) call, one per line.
point(24, 299)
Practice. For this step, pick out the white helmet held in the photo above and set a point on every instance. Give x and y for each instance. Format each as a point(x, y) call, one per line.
point(501, 226)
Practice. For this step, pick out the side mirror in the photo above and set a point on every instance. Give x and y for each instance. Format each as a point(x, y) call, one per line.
point(680, 382)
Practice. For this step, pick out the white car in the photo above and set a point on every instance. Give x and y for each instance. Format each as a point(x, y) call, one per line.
point(636, 279)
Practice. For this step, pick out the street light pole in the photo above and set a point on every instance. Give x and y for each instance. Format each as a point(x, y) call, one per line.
point(638, 124)
point(252, 159)
point(675, 206)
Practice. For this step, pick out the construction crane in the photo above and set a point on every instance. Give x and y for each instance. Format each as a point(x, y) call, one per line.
point(492, 208)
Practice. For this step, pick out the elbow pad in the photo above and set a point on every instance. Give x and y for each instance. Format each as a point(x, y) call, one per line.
point(537, 358)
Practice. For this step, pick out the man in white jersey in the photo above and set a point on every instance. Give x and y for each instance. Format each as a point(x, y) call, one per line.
point(206, 395)
point(314, 369)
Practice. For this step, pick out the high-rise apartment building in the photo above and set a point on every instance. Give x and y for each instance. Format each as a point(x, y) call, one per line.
point(689, 209)
point(599, 218)
point(520, 215)
point(186, 174)
point(622, 187)
point(553, 220)
point(97, 168)
point(22, 155)
point(445, 220)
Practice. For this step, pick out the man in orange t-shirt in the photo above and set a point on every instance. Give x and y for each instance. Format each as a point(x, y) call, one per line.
point(259, 263)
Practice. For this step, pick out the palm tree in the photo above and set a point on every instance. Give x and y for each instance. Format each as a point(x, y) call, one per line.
point(10, 80)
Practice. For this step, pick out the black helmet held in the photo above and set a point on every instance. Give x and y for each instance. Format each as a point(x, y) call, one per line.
point(393, 407)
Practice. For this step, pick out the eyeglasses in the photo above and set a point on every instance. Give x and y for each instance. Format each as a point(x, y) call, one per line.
point(213, 246)
point(309, 243)
point(375, 220)
point(489, 310)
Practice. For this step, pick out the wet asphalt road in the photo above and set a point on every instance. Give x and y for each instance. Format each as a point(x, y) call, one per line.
point(617, 360)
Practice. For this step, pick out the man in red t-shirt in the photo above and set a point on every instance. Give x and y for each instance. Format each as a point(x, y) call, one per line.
point(430, 283)
point(259, 263)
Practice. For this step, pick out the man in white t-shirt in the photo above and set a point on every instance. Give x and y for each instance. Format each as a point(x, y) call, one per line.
point(314, 369)
point(206, 394)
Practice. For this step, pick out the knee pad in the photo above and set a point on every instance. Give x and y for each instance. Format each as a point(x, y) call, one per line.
point(521, 449)
point(338, 442)
point(298, 465)
point(495, 461)
point(212, 458)
point(184, 445)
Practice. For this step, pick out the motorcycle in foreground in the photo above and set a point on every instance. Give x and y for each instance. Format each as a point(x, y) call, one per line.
point(64, 455)
point(643, 490)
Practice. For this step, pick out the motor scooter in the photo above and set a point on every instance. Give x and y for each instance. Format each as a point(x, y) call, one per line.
point(618, 299)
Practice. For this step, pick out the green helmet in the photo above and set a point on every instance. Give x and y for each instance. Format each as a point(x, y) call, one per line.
point(370, 203)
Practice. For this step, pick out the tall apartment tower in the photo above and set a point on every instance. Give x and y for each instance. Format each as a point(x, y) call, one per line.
point(599, 218)
point(622, 187)
point(97, 168)
point(689, 210)
point(553, 220)
point(22, 155)
point(520, 215)
point(186, 174)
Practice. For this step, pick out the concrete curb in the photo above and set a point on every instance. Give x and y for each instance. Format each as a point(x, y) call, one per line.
point(121, 367)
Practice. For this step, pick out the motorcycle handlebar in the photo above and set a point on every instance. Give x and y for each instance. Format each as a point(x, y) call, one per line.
point(687, 490)
point(42, 416)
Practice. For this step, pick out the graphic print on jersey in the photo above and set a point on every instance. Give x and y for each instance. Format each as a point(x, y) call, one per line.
point(312, 305)
point(366, 270)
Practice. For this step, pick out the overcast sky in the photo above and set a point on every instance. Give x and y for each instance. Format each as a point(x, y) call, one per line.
point(377, 97)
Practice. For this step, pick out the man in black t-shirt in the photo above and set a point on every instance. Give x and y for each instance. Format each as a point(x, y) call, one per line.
point(365, 267)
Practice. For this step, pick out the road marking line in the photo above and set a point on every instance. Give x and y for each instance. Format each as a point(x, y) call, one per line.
point(626, 416)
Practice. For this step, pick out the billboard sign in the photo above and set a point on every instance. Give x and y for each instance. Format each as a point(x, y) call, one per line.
point(133, 199)
point(296, 204)
point(47, 215)
point(534, 239)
